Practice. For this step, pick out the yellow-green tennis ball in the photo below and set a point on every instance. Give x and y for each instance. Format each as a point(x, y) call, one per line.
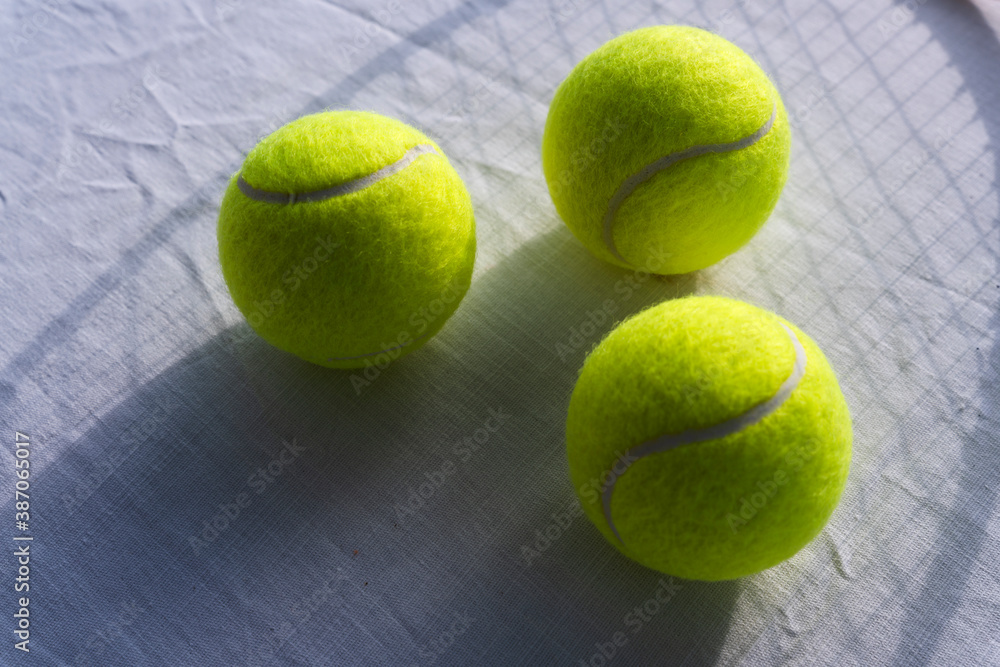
point(347, 239)
point(666, 149)
point(708, 439)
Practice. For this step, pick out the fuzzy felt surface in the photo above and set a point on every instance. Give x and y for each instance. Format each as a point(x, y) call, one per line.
point(647, 94)
point(716, 509)
point(358, 278)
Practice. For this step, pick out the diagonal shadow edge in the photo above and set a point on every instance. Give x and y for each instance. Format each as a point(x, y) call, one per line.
point(64, 325)
point(923, 632)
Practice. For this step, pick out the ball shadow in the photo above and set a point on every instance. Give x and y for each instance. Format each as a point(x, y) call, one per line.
point(553, 590)
point(240, 461)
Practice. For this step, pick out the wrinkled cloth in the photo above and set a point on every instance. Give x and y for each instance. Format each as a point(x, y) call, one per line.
point(199, 497)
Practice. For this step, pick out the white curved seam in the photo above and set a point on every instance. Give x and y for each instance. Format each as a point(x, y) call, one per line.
point(258, 194)
point(629, 185)
point(270, 197)
point(714, 432)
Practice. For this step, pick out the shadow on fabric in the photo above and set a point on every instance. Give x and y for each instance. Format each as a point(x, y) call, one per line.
point(957, 546)
point(241, 460)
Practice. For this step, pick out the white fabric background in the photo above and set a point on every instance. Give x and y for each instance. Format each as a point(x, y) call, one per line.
point(151, 404)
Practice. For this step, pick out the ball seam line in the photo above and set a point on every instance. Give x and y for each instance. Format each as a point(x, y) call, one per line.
point(629, 185)
point(270, 197)
point(730, 426)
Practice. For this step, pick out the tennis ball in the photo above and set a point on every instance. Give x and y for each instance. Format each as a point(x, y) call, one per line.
point(347, 239)
point(665, 149)
point(708, 439)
